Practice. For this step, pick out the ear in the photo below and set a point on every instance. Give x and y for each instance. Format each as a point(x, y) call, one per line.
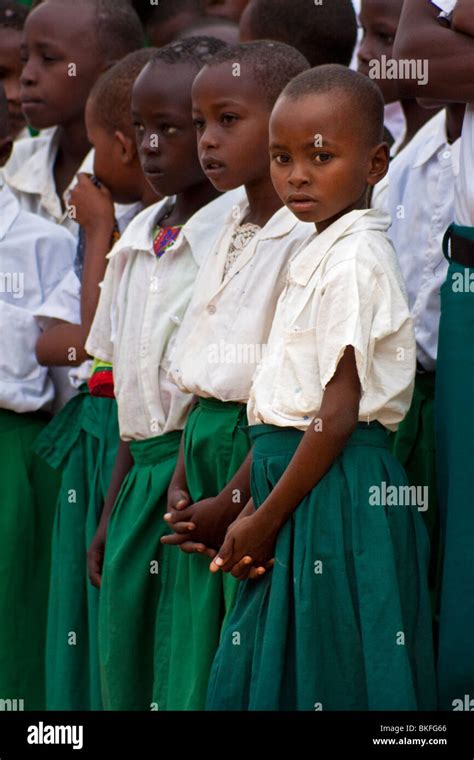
point(379, 163)
point(6, 147)
point(128, 149)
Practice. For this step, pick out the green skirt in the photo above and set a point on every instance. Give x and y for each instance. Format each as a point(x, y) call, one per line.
point(28, 495)
point(414, 446)
point(455, 435)
point(195, 602)
point(83, 440)
point(343, 621)
point(135, 568)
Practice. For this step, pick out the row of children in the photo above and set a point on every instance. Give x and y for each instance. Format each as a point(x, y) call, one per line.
point(235, 375)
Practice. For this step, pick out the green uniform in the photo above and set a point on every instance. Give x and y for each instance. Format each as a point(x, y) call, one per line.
point(28, 497)
point(343, 621)
point(195, 601)
point(83, 439)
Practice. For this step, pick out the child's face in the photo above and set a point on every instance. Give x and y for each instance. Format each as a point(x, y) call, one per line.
point(61, 63)
point(231, 115)
point(109, 166)
point(10, 71)
point(320, 165)
point(164, 130)
point(379, 20)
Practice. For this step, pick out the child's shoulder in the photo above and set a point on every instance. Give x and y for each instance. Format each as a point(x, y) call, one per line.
point(365, 242)
point(28, 153)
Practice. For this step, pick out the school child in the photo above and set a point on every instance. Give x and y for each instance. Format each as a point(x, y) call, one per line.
point(67, 45)
point(34, 256)
point(325, 33)
point(379, 20)
point(213, 26)
point(342, 621)
point(147, 287)
point(83, 438)
point(12, 21)
point(218, 347)
point(449, 27)
point(420, 201)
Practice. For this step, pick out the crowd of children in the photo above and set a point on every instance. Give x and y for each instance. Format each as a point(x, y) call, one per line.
point(236, 242)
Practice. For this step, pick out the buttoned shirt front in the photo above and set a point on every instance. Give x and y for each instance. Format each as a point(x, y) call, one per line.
point(420, 201)
point(35, 255)
point(225, 331)
point(142, 304)
point(343, 289)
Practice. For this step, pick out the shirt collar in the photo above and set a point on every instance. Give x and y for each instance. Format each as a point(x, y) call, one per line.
point(9, 209)
point(35, 176)
point(306, 261)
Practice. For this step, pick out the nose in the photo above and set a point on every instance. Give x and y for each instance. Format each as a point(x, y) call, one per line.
point(150, 144)
point(298, 176)
point(29, 73)
point(365, 53)
point(208, 139)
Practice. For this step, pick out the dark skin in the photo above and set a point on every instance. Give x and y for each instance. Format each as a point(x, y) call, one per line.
point(379, 20)
point(55, 38)
point(162, 32)
point(166, 142)
point(319, 184)
point(450, 52)
point(231, 9)
point(117, 166)
point(10, 72)
point(231, 118)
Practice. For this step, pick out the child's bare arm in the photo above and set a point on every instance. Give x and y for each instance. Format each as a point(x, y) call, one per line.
point(62, 345)
point(450, 54)
point(255, 536)
point(463, 17)
point(95, 554)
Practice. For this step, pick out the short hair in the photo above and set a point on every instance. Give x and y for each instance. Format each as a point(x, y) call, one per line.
point(156, 14)
point(195, 51)
point(205, 25)
point(12, 15)
point(273, 64)
point(118, 27)
point(334, 80)
point(112, 93)
point(325, 33)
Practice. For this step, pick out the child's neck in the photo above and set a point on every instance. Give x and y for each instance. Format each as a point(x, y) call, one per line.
point(263, 201)
point(454, 120)
point(415, 117)
point(190, 201)
point(73, 147)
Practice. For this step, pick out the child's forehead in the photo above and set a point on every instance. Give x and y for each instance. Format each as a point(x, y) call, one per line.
point(61, 24)
point(331, 113)
point(228, 80)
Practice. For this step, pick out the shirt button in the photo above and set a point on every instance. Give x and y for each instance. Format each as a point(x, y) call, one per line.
point(211, 309)
point(143, 349)
point(447, 154)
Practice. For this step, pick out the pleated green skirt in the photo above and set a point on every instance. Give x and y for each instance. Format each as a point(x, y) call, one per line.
point(134, 570)
point(455, 436)
point(343, 621)
point(195, 602)
point(414, 445)
point(83, 440)
point(27, 499)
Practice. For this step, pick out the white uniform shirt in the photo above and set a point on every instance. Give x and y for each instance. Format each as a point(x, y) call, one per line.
point(420, 200)
point(142, 303)
point(464, 195)
point(225, 330)
point(34, 256)
point(344, 289)
point(30, 174)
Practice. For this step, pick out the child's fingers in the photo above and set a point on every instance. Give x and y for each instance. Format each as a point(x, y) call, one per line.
point(180, 527)
point(256, 573)
point(94, 568)
point(191, 547)
point(224, 560)
point(242, 568)
point(175, 539)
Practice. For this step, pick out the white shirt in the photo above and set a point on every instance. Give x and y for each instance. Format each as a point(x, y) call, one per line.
point(344, 289)
point(142, 303)
point(420, 201)
point(225, 330)
point(464, 195)
point(34, 256)
point(64, 303)
point(30, 174)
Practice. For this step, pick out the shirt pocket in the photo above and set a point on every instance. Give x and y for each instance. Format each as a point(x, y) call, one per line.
point(18, 336)
point(297, 385)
